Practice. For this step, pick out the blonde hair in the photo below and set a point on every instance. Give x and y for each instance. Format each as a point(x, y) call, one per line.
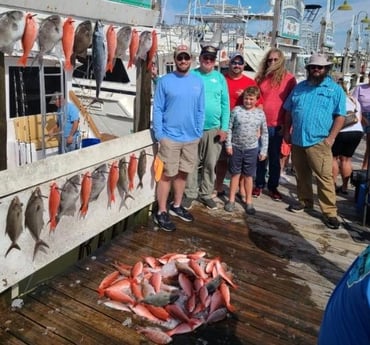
point(277, 70)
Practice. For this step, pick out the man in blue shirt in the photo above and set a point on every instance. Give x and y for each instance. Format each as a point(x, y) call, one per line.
point(315, 113)
point(68, 119)
point(178, 120)
point(347, 315)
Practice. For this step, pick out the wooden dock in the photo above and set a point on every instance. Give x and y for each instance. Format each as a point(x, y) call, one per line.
point(285, 266)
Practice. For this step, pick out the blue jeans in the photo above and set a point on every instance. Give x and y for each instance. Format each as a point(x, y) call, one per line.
point(273, 161)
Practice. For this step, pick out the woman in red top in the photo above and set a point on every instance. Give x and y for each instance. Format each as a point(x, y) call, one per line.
point(275, 83)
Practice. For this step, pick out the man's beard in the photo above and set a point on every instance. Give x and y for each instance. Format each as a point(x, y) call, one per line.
point(183, 69)
point(316, 80)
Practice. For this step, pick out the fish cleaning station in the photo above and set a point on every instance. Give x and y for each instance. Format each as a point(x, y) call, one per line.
point(82, 261)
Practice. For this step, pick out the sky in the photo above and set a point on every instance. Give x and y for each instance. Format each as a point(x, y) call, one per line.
point(342, 19)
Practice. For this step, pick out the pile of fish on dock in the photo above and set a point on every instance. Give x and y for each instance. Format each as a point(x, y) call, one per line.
point(176, 292)
point(63, 201)
point(17, 25)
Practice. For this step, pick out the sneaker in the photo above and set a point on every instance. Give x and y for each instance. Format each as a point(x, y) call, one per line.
point(249, 209)
point(275, 195)
point(209, 203)
point(164, 221)
point(187, 203)
point(331, 222)
point(230, 206)
point(296, 208)
point(181, 213)
point(221, 194)
point(256, 192)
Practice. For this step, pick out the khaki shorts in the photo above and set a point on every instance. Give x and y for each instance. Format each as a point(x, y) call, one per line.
point(178, 156)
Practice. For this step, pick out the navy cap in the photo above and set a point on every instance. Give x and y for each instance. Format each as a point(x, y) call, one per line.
point(209, 50)
point(234, 55)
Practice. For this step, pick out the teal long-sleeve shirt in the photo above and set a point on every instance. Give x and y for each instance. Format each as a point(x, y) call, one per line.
point(217, 109)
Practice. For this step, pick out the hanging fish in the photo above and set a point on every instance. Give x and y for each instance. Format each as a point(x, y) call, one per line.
point(123, 182)
point(85, 193)
point(132, 168)
point(112, 181)
point(12, 24)
point(152, 51)
point(82, 41)
point(145, 42)
point(50, 33)
point(98, 181)
point(14, 223)
point(134, 45)
point(54, 202)
point(29, 37)
point(112, 45)
point(69, 196)
point(34, 218)
point(141, 168)
point(123, 42)
point(99, 56)
point(67, 42)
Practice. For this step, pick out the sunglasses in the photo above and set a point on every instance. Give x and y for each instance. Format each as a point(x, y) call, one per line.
point(183, 57)
point(316, 67)
point(272, 60)
point(209, 57)
point(239, 63)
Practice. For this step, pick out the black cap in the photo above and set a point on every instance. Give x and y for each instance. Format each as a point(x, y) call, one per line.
point(209, 50)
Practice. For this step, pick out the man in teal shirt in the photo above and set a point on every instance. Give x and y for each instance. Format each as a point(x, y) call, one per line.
point(217, 116)
point(315, 111)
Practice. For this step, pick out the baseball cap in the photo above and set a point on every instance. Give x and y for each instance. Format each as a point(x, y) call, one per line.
point(182, 49)
point(209, 50)
point(234, 55)
point(56, 95)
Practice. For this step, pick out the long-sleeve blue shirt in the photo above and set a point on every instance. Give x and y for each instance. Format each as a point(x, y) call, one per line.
point(178, 108)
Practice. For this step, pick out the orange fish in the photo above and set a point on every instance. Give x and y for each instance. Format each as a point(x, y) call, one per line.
point(112, 46)
point(29, 37)
point(67, 41)
point(85, 193)
point(132, 168)
point(152, 51)
point(112, 180)
point(134, 46)
point(107, 281)
point(54, 201)
point(225, 292)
